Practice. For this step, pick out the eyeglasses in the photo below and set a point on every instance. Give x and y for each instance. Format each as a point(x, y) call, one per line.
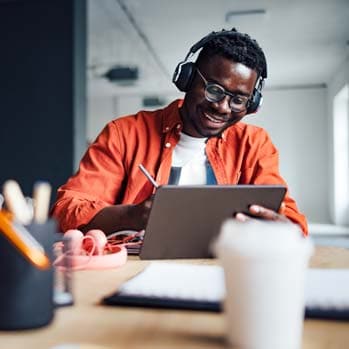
point(215, 93)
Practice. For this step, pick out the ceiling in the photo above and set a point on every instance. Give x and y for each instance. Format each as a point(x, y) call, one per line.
point(305, 41)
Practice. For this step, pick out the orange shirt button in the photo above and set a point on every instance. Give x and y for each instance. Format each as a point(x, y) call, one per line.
point(168, 145)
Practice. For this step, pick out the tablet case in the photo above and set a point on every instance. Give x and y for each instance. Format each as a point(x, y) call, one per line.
point(185, 219)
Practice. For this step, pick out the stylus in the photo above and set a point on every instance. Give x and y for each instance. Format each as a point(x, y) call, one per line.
point(147, 174)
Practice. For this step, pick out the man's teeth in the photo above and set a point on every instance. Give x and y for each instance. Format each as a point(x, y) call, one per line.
point(211, 118)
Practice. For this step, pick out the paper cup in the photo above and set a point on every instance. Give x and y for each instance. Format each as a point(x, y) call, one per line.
point(265, 265)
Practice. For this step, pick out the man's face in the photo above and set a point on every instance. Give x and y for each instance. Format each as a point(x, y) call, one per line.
point(202, 118)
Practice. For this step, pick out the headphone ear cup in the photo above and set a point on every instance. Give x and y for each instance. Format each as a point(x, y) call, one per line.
point(255, 103)
point(74, 239)
point(184, 75)
point(95, 242)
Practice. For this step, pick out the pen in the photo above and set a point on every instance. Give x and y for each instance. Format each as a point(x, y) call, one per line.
point(41, 196)
point(147, 174)
point(21, 238)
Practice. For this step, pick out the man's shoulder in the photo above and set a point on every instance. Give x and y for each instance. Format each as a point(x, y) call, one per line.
point(245, 129)
point(134, 118)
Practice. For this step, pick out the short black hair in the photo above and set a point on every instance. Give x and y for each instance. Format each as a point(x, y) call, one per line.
point(239, 47)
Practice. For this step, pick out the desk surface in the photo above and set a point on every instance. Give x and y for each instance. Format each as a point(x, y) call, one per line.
point(95, 326)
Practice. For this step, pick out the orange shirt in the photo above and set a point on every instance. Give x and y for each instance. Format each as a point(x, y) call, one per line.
point(109, 173)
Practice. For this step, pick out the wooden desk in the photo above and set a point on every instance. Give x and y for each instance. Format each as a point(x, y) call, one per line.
point(95, 326)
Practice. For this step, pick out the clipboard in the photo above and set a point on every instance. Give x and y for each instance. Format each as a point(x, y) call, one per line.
point(184, 220)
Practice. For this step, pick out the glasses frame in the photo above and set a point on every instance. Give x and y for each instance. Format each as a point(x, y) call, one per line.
point(225, 93)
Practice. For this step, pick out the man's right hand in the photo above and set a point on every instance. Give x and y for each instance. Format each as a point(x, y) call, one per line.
point(121, 217)
point(139, 214)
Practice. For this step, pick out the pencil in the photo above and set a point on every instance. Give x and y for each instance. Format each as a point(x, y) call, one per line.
point(147, 174)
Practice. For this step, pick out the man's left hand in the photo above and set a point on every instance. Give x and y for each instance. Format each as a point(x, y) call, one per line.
point(264, 213)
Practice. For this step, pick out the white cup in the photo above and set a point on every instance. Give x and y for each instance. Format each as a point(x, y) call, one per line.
point(265, 266)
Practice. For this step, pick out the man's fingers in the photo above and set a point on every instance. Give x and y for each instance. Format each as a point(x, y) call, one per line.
point(241, 217)
point(282, 208)
point(265, 213)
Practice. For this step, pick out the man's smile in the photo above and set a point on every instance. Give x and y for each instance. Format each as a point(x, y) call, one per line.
point(215, 118)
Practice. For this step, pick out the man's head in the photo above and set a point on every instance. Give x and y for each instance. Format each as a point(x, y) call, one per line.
point(223, 85)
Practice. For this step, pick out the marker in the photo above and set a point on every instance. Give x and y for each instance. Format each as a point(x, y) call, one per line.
point(147, 174)
point(16, 202)
point(41, 196)
point(26, 244)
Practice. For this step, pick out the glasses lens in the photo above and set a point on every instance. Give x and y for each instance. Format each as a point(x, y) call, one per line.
point(214, 93)
point(238, 103)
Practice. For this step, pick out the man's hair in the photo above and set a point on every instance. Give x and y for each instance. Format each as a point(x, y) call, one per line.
point(240, 48)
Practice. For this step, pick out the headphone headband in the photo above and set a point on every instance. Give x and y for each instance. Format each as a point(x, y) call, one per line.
point(202, 42)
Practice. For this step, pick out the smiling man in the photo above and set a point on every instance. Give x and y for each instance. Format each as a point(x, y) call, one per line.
point(198, 140)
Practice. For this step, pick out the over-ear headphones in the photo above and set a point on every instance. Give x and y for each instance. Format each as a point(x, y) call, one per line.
point(90, 251)
point(185, 71)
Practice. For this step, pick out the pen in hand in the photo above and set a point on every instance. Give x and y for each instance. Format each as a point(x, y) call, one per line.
point(147, 174)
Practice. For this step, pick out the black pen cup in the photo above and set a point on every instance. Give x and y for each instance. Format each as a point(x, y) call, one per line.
point(26, 292)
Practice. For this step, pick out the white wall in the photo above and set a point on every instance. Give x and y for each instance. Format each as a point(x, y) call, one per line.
point(100, 110)
point(339, 80)
point(296, 119)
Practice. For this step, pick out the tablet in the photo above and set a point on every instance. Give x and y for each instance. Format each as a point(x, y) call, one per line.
point(184, 220)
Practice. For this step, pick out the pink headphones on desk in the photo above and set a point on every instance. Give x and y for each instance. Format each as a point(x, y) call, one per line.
point(90, 251)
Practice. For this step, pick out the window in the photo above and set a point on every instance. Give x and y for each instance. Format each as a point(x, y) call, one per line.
point(341, 156)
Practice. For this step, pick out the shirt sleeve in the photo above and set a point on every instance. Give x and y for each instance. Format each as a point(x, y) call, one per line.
point(97, 184)
point(263, 168)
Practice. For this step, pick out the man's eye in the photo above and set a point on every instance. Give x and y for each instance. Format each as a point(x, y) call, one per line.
point(239, 100)
point(216, 90)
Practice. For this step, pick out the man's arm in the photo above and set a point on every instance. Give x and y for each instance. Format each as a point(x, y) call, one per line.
point(120, 217)
point(88, 197)
point(262, 167)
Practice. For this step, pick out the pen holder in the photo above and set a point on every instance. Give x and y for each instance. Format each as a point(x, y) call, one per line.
point(26, 292)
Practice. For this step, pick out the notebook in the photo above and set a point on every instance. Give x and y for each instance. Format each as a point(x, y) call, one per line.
point(201, 287)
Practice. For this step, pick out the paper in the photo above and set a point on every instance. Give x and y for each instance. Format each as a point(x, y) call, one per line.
point(325, 288)
point(179, 281)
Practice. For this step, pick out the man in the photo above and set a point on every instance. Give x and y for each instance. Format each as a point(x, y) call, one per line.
point(193, 141)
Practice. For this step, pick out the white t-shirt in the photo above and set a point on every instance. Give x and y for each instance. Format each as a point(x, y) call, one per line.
point(190, 159)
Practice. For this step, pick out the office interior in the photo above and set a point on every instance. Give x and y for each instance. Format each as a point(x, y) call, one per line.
point(58, 89)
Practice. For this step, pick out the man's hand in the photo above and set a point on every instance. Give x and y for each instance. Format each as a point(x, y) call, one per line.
point(264, 213)
point(121, 217)
point(140, 213)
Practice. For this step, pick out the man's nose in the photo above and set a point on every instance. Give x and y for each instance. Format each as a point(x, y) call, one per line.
point(223, 105)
